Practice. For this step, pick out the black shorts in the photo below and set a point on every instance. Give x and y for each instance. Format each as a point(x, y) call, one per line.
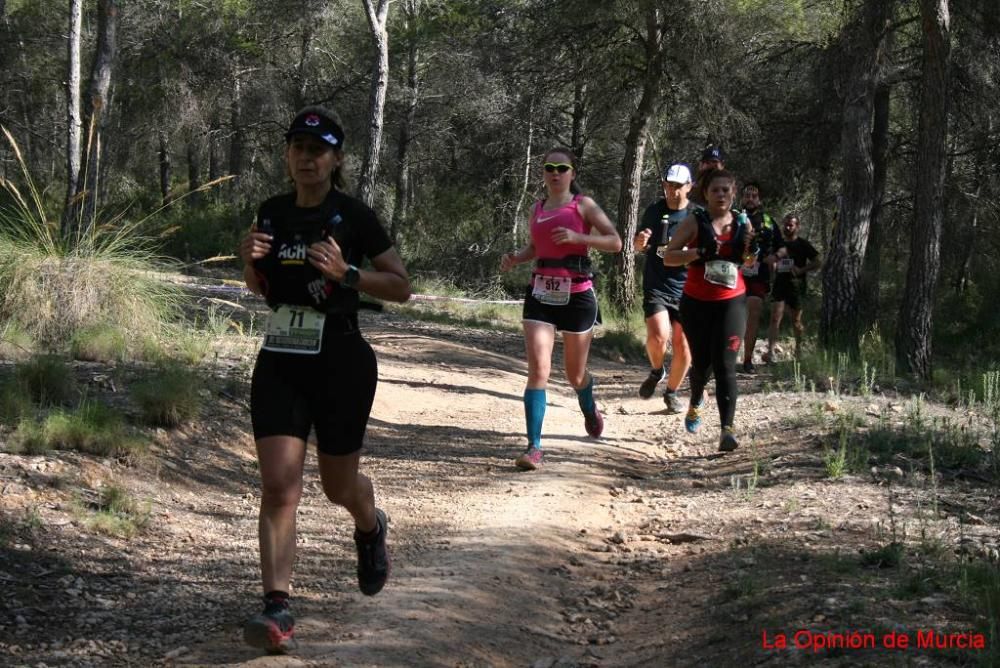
point(654, 301)
point(788, 292)
point(579, 316)
point(332, 391)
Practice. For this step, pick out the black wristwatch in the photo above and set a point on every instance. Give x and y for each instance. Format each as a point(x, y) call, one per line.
point(351, 277)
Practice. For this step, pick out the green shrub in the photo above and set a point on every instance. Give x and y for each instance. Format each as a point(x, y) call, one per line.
point(93, 428)
point(170, 398)
point(117, 513)
point(99, 343)
point(15, 343)
point(14, 402)
point(29, 438)
point(47, 378)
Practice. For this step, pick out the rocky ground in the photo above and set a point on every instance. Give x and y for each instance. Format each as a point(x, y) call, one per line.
point(643, 548)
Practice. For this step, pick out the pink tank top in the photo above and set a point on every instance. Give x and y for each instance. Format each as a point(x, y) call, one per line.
point(543, 223)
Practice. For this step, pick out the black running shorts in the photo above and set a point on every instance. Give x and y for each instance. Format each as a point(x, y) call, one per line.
point(789, 292)
point(332, 391)
point(577, 317)
point(654, 301)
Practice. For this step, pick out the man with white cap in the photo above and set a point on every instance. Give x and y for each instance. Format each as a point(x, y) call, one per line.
point(662, 287)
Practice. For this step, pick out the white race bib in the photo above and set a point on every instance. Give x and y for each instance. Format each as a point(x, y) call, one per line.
point(785, 265)
point(751, 270)
point(721, 272)
point(552, 290)
point(294, 329)
point(661, 251)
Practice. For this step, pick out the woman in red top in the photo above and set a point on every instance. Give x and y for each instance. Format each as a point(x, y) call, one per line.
point(564, 226)
point(713, 242)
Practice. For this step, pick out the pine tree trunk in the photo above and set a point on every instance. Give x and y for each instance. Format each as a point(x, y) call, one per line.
point(98, 101)
point(164, 161)
point(236, 138)
point(840, 323)
point(916, 318)
point(623, 280)
point(73, 122)
point(401, 202)
point(194, 169)
point(526, 180)
point(377, 18)
point(871, 273)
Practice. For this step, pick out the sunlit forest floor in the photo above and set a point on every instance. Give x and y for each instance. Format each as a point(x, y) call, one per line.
point(644, 548)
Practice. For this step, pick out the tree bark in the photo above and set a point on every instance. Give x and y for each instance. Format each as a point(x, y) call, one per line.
point(578, 141)
point(526, 180)
point(74, 128)
point(98, 100)
point(194, 169)
point(377, 18)
point(164, 161)
point(871, 273)
point(913, 336)
point(401, 203)
point(622, 280)
point(235, 138)
point(840, 324)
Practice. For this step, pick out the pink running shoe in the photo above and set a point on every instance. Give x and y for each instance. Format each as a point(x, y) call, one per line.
point(530, 459)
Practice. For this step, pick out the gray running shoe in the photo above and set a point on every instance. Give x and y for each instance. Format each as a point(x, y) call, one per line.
point(672, 402)
point(374, 562)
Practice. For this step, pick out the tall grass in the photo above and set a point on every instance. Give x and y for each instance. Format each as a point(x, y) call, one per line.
point(53, 284)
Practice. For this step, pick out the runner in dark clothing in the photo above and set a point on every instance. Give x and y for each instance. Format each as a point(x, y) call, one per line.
point(793, 258)
point(315, 370)
point(663, 286)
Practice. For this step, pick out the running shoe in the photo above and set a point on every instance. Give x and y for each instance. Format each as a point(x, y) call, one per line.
point(374, 563)
point(594, 422)
point(530, 459)
point(692, 421)
point(727, 441)
point(766, 358)
point(748, 367)
point(648, 386)
point(272, 630)
point(672, 402)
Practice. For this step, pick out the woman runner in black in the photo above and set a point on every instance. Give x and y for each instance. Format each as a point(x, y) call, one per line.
point(315, 370)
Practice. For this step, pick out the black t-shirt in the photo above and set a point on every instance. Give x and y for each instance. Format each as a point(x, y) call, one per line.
point(285, 274)
point(662, 221)
point(800, 252)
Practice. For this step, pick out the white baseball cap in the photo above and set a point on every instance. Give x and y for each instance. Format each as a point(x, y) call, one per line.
point(677, 173)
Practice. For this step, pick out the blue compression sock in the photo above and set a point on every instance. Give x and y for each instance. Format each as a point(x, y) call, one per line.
point(534, 414)
point(585, 396)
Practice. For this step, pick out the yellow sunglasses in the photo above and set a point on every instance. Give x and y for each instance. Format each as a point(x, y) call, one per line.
point(560, 167)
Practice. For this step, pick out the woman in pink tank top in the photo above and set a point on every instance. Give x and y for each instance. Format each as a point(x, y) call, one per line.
point(564, 227)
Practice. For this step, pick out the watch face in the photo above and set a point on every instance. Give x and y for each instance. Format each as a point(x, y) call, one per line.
point(351, 277)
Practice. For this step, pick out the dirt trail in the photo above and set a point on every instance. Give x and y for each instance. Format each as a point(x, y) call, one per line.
point(643, 548)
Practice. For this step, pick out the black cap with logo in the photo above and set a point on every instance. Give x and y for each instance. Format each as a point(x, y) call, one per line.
point(317, 122)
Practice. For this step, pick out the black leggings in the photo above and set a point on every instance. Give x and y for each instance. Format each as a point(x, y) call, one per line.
point(714, 332)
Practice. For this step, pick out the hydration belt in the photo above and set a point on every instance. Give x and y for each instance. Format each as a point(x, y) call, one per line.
point(579, 264)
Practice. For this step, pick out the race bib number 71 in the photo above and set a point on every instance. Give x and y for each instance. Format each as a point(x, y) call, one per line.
point(294, 329)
